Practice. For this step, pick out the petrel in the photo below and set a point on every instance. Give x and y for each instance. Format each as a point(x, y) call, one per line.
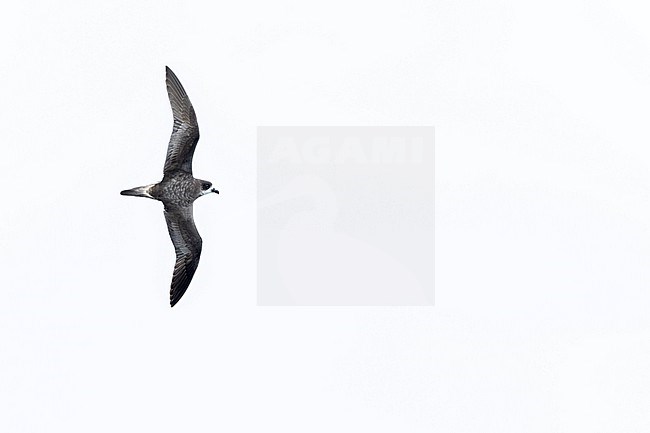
point(178, 189)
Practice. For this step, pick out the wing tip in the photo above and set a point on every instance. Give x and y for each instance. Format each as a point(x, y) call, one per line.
point(174, 300)
point(175, 90)
point(175, 295)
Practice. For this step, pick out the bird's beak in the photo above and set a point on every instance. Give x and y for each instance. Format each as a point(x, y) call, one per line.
point(215, 190)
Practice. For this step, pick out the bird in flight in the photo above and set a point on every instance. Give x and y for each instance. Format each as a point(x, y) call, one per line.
point(178, 189)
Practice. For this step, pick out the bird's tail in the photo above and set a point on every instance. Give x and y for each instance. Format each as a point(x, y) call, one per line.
point(140, 191)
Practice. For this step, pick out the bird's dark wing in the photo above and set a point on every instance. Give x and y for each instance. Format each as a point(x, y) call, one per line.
point(185, 134)
point(187, 244)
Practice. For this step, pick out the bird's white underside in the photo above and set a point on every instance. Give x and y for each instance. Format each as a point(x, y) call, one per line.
point(147, 189)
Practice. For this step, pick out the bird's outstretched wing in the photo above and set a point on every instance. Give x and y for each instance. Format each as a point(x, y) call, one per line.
point(185, 134)
point(187, 243)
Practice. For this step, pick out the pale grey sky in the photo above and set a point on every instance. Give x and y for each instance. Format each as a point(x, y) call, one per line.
point(542, 240)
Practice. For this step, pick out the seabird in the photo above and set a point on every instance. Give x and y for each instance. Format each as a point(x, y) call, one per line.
point(178, 189)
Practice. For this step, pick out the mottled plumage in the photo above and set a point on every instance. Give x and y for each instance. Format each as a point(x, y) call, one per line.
point(179, 189)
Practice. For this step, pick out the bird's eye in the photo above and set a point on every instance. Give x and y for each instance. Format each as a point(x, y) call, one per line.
point(206, 185)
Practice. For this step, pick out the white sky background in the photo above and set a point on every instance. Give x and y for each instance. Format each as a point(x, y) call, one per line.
point(542, 217)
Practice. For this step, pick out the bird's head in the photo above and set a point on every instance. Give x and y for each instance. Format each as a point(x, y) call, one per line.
point(206, 187)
